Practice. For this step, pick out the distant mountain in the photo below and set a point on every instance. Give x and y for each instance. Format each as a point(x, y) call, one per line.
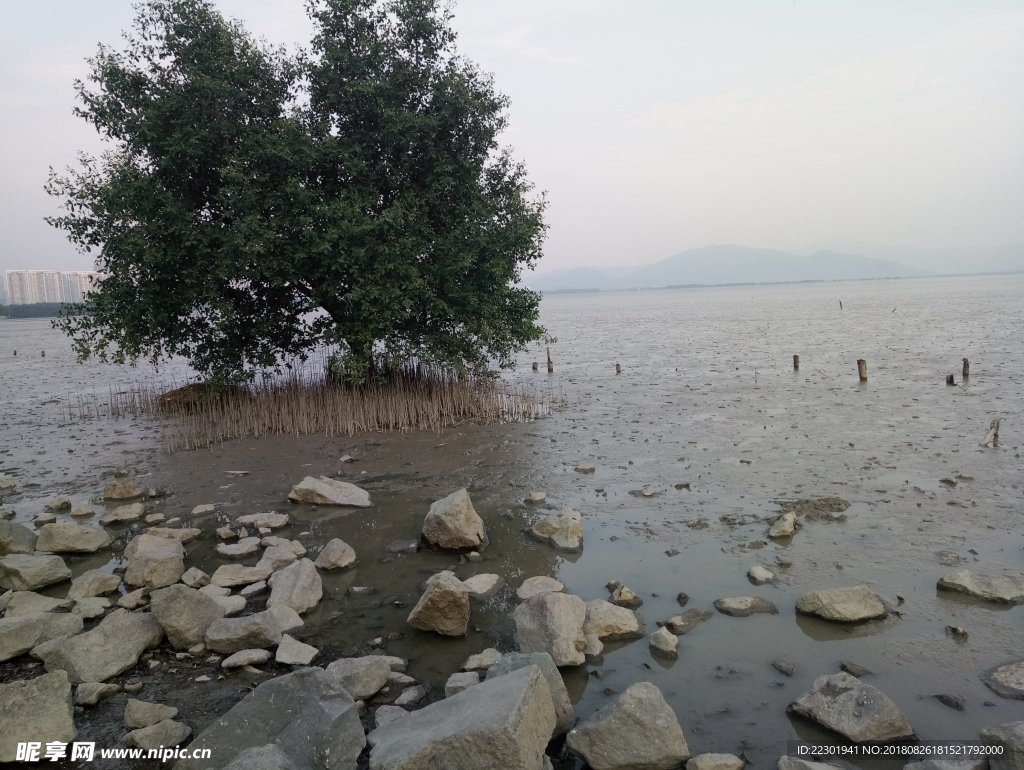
point(713, 265)
point(953, 261)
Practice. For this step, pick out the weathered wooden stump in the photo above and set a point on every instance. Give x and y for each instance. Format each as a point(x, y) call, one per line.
point(950, 380)
point(967, 369)
point(862, 369)
point(618, 369)
point(551, 364)
point(796, 363)
point(536, 366)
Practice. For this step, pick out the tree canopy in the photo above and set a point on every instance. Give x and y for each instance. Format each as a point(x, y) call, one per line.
point(255, 204)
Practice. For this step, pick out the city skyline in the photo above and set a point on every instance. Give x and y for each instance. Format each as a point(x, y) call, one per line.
point(29, 287)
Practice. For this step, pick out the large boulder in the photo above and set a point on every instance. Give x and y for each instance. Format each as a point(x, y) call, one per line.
point(229, 635)
point(857, 711)
point(636, 730)
point(112, 647)
point(94, 582)
point(297, 586)
point(444, 606)
point(328, 491)
point(68, 537)
point(16, 538)
point(1010, 738)
point(21, 633)
point(154, 562)
point(37, 709)
point(361, 677)
point(1007, 588)
point(307, 714)
point(553, 623)
point(27, 572)
point(126, 489)
point(504, 722)
point(185, 614)
point(842, 605)
point(564, 530)
point(336, 555)
point(513, 661)
point(453, 524)
point(606, 621)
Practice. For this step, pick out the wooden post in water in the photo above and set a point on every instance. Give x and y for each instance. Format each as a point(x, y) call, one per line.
point(618, 369)
point(967, 369)
point(551, 364)
point(862, 369)
point(42, 354)
point(536, 366)
point(950, 380)
point(796, 363)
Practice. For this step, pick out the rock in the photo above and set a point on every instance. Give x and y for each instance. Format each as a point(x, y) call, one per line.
point(744, 606)
point(20, 634)
point(400, 681)
point(665, 643)
point(253, 589)
point(1004, 589)
point(854, 670)
point(230, 575)
point(686, 622)
point(265, 520)
point(154, 561)
point(362, 677)
point(205, 508)
point(68, 537)
point(112, 647)
point(504, 722)
point(194, 577)
point(842, 605)
point(715, 762)
point(246, 658)
point(453, 524)
point(294, 546)
point(536, 497)
point(482, 660)
point(625, 597)
point(224, 533)
point(609, 622)
point(1006, 680)
point(123, 513)
point(585, 468)
point(564, 530)
point(91, 693)
point(513, 661)
point(166, 733)
point(955, 702)
point(24, 603)
point(784, 667)
point(134, 599)
point(459, 681)
point(27, 572)
point(483, 586)
point(229, 635)
point(386, 715)
point(538, 585)
point(247, 546)
point(759, 576)
point(784, 526)
point(183, 535)
point(308, 715)
point(95, 582)
point(402, 546)
point(636, 730)
point(1009, 737)
point(38, 709)
point(125, 489)
point(91, 607)
point(474, 557)
point(185, 614)
point(16, 538)
point(337, 555)
point(795, 763)
point(412, 696)
point(59, 504)
point(268, 757)
point(328, 491)
point(287, 618)
point(83, 512)
point(45, 518)
point(231, 605)
point(292, 652)
point(140, 713)
point(444, 606)
point(853, 709)
point(553, 623)
point(297, 586)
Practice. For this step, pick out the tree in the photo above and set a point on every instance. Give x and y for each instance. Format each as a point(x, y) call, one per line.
point(256, 205)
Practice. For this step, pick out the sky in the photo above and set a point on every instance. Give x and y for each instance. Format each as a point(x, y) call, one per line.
point(654, 126)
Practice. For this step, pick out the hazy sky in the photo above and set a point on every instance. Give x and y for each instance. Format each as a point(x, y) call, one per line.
point(653, 126)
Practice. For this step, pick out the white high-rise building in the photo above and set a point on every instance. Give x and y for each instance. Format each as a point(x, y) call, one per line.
point(28, 287)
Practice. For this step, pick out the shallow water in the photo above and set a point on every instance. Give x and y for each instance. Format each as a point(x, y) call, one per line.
point(707, 383)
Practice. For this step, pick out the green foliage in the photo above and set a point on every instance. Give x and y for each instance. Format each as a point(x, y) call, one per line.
point(254, 205)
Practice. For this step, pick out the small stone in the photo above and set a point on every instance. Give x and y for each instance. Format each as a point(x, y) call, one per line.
point(91, 693)
point(58, 504)
point(564, 530)
point(715, 762)
point(44, 518)
point(122, 490)
point(857, 711)
point(482, 660)
point(265, 520)
point(744, 606)
point(1006, 588)
point(224, 533)
point(536, 497)
point(82, 512)
point(328, 491)
point(199, 510)
point(443, 608)
point(759, 576)
point(411, 696)
point(483, 586)
point(133, 687)
point(459, 681)
point(474, 557)
point(231, 575)
point(854, 604)
point(70, 537)
point(854, 670)
point(665, 643)
point(955, 702)
point(139, 713)
point(538, 585)
point(292, 652)
point(253, 589)
point(386, 715)
point(361, 677)
point(194, 577)
point(625, 597)
point(123, 513)
point(585, 468)
point(27, 572)
point(784, 667)
point(164, 733)
point(402, 546)
point(277, 558)
point(784, 526)
point(336, 555)
point(453, 524)
point(246, 546)
point(134, 599)
point(94, 582)
point(246, 658)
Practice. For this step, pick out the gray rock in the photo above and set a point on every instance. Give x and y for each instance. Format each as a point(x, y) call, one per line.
point(385, 715)
point(687, 621)
point(91, 607)
point(608, 622)
point(287, 618)
point(715, 762)
point(784, 667)
point(140, 713)
point(134, 599)
point(164, 734)
point(91, 693)
point(246, 658)
point(513, 661)
point(1007, 588)
point(444, 606)
point(254, 589)
point(307, 714)
point(123, 513)
point(636, 730)
point(453, 524)
point(297, 586)
point(855, 710)
point(539, 584)
point(564, 530)
point(214, 591)
point(230, 575)
point(623, 596)
point(37, 709)
point(784, 526)
point(95, 582)
point(231, 605)
point(1006, 680)
point(154, 562)
point(328, 491)
point(59, 504)
point(268, 757)
point(854, 669)
point(20, 634)
point(68, 537)
point(585, 468)
point(553, 623)
point(483, 586)
point(1010, 737)
point(194, 577)
point(292, 652)
point(504, 722)
point(665, 643)
point(403, 546)
point(126, 489)
point(265, 520)
point(229, 635)
point(759, 576)
point(183, 535)
point(112, 647)
point(362, 677)
point(412, 696)
point(22, 603)
point(185, 614)
point(27, 572)
point(246, 546)
point(842, 605)
point(787, 762)
point(482, 660)
point(744, 606)
point(16, 538)
point(337, 555)
point(459, 681)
